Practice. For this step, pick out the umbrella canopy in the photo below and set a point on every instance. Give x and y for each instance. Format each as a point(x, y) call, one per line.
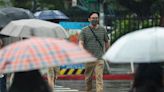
point(4, 19)
point(50, 14)
point(144, 45)
point(12, 13)
point(37, 53)
point(34, 27)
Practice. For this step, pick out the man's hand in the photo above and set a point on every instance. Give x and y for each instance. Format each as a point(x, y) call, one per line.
point(81, 44)
point(107, 45)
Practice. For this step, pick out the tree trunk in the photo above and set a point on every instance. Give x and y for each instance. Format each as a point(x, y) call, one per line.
point(162, 14)
point(162, 21)
point(34, 6)
point(67, 4)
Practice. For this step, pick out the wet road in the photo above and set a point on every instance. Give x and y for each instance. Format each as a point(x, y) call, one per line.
point(109, 85)
point(79, 86)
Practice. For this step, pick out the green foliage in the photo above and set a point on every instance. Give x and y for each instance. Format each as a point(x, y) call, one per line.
point(2, 3)
point(124, 25)
point(27, 4)
point(51, 4)
point(144, 11)
point(143, 7)
point(91, 1)
point(42, 4)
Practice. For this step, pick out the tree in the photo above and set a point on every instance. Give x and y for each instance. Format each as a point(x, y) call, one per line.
point(145, 7)
point(42, 4)
point(2, 3)
point(27, 4)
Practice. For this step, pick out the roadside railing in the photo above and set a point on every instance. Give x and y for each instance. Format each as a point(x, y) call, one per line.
point(126, 24)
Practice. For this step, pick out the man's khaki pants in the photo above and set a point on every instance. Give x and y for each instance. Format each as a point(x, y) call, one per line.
point(97, 68)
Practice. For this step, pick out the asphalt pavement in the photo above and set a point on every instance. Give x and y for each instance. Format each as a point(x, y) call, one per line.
point(79, 86)
point(115, 85)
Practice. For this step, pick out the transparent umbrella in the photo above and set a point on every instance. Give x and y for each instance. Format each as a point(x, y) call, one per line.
point(145, 45)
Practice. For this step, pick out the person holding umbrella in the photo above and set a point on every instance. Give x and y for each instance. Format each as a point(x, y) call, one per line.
point(7, 15)
point(25, 57)
point(148, 78)
point(29, 81)
point(147, 50)
point(2, 76)
point(27, 28)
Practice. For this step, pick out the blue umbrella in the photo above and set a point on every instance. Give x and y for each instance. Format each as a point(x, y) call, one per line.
point(50, 14)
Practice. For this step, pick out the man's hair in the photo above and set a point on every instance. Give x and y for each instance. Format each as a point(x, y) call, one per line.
point(93, 13)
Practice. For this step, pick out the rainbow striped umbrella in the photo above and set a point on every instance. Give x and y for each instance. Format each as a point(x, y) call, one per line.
point(37, 53)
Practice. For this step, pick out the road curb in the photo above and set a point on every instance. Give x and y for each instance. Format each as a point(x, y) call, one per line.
point(105, 77)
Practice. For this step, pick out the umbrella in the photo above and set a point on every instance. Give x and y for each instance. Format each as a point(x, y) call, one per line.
point(34, 27)
point(50, 14)
point(4, 19)
point(36, 53)
point(145, 45)
point(12, 13)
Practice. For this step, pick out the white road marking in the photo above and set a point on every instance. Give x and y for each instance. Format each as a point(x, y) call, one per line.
point(63, 89)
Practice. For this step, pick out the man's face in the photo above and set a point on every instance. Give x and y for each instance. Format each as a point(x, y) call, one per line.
point(93, 19)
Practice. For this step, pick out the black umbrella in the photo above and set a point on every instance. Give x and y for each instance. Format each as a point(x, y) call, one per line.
point(3, 19)
point(51, 14)
point(12, 13)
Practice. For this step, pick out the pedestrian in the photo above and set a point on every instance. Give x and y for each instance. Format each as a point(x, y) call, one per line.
point(6, 79)
point(94, 39)
point(52, 76)
point(148, 78)
point(29, 81)
point(53, 72)
point(2, 76)
point(3, 83)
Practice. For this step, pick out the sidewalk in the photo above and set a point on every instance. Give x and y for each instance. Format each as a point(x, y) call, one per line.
point(105, 77)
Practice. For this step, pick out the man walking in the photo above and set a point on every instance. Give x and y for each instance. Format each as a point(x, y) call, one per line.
point(2, 76)
point(94, 39)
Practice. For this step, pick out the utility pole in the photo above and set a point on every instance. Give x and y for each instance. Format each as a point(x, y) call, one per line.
point(101, 12)
point(101, 21)
point(34, 6)
point(74, 3)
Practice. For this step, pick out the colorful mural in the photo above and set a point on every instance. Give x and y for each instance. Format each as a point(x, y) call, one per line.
point(73, 29)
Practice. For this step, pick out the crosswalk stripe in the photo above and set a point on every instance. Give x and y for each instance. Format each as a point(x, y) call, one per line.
point(66, 91)
point(56, 86)
point(63, 89)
